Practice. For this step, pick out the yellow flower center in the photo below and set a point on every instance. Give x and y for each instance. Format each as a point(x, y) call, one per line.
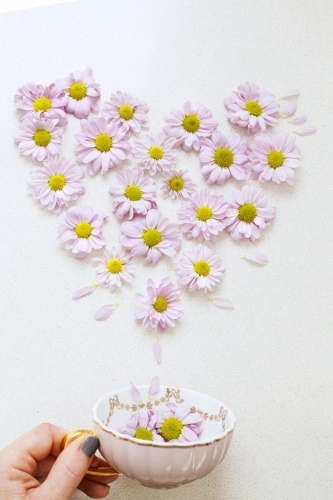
point(191, 123)
point(83, 229)
point(133, 192)
point(275, 159)
point(115, 266)
point(247, 212)
point(77, 91)
point(156, 153)
point(103, 143)
point(126, 112)
point(57, 182)
point(223, 157)
point(176, 183)
point(171, 428)
point(202, 268)
point(143, 433)
point(204, 213)
point(42, 137)
point(160, 305)
point(253, 107)
point(151, 237)
point(42, 104)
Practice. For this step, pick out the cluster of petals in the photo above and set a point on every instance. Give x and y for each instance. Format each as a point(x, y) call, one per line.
point(102, 146)
point(274, 158)
point(251, 202)
point(133, 194)
point(81, 231)
point(57, 183)
point(152, 236)
point(223, 157)
point(39, 138)
point(36, 101)
point(177, 184)
point(190, 125)
point(200, 268)
point(253, 107)
point(113, 268)
point(140, 421)
point(155, 152)
point(203, 216)
point(161, 305)
point(188, 420)
point(82, 92)
point(128, 113)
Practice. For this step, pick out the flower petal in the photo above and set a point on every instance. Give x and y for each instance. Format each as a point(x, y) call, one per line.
point(104, 312)
point(135, 392)
point(306, 130)
point(289, 109)
point(154, 384)
point(290, 93)
point(258, 257)
point(223, 302)
point(299, 120)
point(83, 292)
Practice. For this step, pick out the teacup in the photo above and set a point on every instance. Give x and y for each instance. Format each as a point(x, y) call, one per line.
point(160, 464)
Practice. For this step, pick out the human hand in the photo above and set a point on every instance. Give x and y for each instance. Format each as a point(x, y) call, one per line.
point(34, 468)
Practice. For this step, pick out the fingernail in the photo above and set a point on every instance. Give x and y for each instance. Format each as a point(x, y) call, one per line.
point(90, 445)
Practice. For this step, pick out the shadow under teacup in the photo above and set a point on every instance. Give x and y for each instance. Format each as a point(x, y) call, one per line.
point(159, 464)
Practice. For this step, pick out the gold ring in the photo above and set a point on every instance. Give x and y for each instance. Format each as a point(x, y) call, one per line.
point(92, 471)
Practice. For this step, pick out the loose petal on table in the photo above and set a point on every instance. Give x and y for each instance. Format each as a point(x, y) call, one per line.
point(290, 93)
point(299, 120)
point(289, 109)
point(157, 348)
point(306, 130)
point(104, 312)
point(257, 257)
point(83, 292)
point(154, 386)
point(222, 302)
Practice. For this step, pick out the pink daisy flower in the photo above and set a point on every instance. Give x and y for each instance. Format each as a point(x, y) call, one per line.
point(134, 193)
point(177, 184)
point(274, 158)
point(143, 426)
point(128, 113)
point(179, 424)
point(200, 268)
point(36, 101)
point(152, 236)
point(253, 107)
point(161, 305)
point(39, 138)
point(202, 216)
point(102, 146)
point(222, 157)
point(81, 231)
point(57, 183)
point(190, 124)
point(155, 152)
point(247, 213)
point(82, 91)
point(113, 269)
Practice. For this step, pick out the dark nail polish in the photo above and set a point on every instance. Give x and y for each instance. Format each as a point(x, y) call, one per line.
point(90, 445)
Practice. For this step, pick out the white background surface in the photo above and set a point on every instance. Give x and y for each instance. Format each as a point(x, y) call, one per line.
point(9, 5)
point(270, 358)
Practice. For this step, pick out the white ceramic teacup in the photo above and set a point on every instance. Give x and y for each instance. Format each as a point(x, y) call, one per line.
point(161, 464)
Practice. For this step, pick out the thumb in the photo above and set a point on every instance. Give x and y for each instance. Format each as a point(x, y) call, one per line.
point(68, 470)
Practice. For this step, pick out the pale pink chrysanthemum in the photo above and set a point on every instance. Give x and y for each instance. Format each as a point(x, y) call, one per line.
point(161, 305)
point(202, 217)
point(113, 268)
point(128, 113)
point(57, 183)
point(200, 268)
point(190, 124)
point(102, 146)
point(82, 91)
point(36, 101)
point(155, 152)
point(253, 107)
point(81, 231)
point(223, 157)
point(247, 213)
point(142, 426)
point(178, 424)
point(152, 236)
point(177, 184)
point(274, 158)
point(134, 193)
point(39, 138)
